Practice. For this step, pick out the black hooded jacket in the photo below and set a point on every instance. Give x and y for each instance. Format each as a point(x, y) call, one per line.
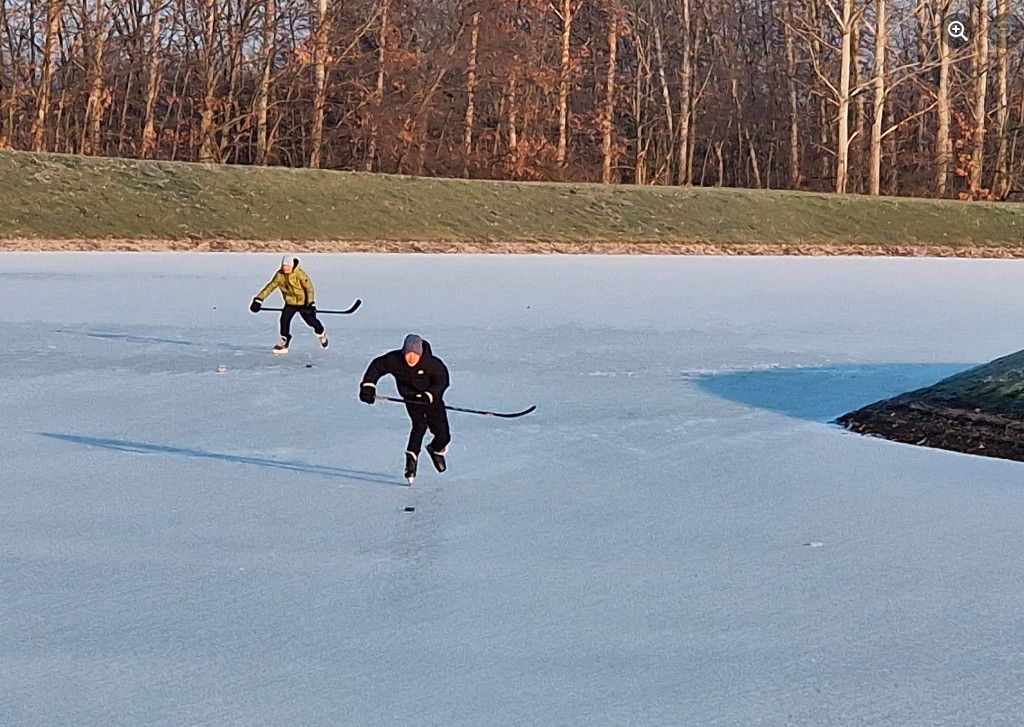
point(429, 376)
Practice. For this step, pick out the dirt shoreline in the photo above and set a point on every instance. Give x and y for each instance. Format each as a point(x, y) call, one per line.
point(953, 426)
point(514, 248)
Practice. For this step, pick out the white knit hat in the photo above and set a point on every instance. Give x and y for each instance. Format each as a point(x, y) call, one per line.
point(288, 260)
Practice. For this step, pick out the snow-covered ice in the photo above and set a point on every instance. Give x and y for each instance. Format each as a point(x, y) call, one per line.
point(676, 535)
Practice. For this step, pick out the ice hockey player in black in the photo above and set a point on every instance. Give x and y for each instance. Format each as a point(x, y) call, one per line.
point(422, 379)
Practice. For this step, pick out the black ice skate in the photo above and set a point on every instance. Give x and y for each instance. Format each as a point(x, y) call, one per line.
point(322, 337)
point(410, 467)
point(282, 347)
point(438, 458)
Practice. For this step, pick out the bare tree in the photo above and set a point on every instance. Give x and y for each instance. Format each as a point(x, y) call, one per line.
point(54, 9)
point(878, 112)
point(1002, 180)
point(467, 138)
point(378, 87)
point(565, 14)
point(320, 40)
point(211, 22)
point(981, 61)
point(95, 105)
point(267, 51)
point(666, 96)
point(608, 117)
point(841, 95)
point(943, 143)
point(147, 141)
point(795, 175)
point(683, 123)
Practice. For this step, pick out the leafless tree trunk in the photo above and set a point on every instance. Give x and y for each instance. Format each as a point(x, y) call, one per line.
point(858, 103)
point(54, 9)
point(683, 154)
point(6, 104)
point(467, 138)
point(609, 110)
point(147, 142)
point(881, 41)
point(1001, 182)
point(210, 23)
point(847, 24)
point(980, 62)
point(641, 82)
point(323, 31)
point(755, 165)
point(943, 143)
point(95, 105)
point(513, 112)
point(825, 121)
point(795, 177)
point(666, 96)
point(378, 89)
point(924, 27)
point(267, 52)
point(565, 77)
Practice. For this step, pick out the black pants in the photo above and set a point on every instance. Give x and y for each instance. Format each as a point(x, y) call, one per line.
point(433, 417)
point(308, 315)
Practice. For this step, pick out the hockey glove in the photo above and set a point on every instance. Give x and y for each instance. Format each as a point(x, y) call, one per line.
point(367, 394)
point(255, 305)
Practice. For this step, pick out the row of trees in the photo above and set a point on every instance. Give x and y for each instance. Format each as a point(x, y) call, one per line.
point(844, 95)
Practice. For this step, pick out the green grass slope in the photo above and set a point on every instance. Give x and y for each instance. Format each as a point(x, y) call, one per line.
point(68, 197)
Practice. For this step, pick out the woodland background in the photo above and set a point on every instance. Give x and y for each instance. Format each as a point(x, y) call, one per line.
point(858, 96)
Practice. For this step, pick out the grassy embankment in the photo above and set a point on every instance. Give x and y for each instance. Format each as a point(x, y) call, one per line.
point(980, 411)
point(63, 202)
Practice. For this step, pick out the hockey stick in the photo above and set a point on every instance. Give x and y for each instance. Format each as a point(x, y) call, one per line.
point(354, 307)
point(514, 415)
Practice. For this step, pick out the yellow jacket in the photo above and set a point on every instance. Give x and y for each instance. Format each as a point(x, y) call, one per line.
point(296, 287)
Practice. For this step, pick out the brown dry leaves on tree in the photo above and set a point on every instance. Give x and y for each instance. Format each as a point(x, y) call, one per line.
point(710, 92)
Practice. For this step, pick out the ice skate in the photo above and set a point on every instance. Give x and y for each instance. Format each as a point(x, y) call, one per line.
point(410, 467)
point(438, 458)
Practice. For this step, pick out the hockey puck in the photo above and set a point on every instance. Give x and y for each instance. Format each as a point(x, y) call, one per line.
point(309, 366)
point(410, 509)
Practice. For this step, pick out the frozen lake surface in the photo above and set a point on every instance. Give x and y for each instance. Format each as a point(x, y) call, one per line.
point(675, 536)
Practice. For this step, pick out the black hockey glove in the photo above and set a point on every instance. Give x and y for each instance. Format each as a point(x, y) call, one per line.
point(255, 305)
point(367, 394)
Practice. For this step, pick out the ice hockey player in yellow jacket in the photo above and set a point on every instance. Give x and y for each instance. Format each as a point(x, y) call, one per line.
point(297, 290)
